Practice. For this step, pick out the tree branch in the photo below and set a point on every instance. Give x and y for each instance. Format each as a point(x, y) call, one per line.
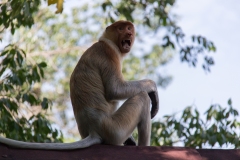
point(57, 51)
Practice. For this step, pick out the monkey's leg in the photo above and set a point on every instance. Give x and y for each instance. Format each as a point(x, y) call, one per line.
point(135, 112)
point(130, 141)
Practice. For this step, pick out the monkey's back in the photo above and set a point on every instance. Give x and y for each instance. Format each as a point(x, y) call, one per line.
point(86, 87)
point(87, 90)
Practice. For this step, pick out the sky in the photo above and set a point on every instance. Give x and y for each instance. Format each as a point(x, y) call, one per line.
point(218, 21)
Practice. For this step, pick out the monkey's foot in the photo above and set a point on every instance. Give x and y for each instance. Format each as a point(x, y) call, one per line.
point(130, 142)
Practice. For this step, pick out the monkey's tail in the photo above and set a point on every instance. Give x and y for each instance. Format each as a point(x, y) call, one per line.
point(86, 142)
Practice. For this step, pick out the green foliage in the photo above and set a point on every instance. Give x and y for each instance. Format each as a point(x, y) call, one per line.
point(17, 99)
point(16, 13)
point(219, 128)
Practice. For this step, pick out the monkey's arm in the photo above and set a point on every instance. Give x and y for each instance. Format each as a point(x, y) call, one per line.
point(117, 89)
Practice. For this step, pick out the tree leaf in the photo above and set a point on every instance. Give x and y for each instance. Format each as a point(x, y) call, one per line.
point(44, 103)
point(230, 102)
point(42, 64)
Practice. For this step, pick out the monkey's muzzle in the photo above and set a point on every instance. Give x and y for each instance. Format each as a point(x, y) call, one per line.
point(126, 44)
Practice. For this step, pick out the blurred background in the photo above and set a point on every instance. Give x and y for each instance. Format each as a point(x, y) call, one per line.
point(190, 48)
point(218, 21)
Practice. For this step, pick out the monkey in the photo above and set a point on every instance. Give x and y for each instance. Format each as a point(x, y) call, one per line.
point(96, 87)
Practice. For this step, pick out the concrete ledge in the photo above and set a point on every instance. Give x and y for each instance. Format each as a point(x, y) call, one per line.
point(108, 152)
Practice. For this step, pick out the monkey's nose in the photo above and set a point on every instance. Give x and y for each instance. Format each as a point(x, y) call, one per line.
point(129, 34)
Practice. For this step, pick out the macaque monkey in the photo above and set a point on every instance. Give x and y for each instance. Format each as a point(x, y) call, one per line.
point(96, 86)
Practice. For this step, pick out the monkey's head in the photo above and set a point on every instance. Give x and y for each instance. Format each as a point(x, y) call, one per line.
point(122, 33)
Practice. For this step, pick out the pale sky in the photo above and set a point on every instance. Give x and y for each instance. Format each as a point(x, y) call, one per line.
point(219, 21)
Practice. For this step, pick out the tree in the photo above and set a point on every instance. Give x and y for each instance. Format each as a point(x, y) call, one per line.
point(40, 36)
point(218, 129)
point(18, 76)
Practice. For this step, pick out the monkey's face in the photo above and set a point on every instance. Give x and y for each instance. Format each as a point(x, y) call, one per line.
point(122, 33)
point(125, 37)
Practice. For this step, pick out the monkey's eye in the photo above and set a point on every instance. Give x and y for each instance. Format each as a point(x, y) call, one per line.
point(120, 28)
point(129, 28)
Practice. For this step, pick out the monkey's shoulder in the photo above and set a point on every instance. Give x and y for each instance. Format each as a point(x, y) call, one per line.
point(100, 52)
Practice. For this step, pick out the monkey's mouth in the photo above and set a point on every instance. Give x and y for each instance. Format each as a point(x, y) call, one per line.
point(126, 44)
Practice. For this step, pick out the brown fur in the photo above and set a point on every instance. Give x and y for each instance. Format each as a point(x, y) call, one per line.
point(96, 86)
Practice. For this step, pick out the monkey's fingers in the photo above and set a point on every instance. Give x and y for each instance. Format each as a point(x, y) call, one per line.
point(130, 142)
point(155, 103)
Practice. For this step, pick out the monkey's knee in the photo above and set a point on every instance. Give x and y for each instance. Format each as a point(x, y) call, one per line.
point(143, 96)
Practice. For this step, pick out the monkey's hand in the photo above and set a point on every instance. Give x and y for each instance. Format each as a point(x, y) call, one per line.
point(130, 142)
point(155, 103)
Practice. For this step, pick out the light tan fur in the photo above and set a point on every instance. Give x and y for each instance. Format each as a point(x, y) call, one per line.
point(96, 86)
